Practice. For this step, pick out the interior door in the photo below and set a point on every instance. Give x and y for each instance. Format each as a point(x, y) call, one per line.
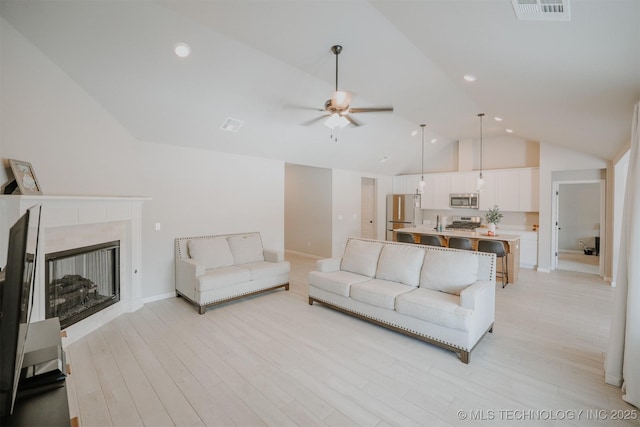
point(368, 208)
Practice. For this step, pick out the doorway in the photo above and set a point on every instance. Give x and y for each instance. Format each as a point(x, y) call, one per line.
point(579, 225)
point(368, 208)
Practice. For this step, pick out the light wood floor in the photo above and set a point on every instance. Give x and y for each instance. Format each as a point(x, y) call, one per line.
point(274, 360)
point(579, 262)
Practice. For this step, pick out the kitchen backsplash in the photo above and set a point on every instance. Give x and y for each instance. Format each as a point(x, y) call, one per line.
point(512, 220)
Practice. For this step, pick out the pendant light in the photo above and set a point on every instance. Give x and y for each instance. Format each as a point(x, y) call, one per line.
point(422, 183)
point(480, 184)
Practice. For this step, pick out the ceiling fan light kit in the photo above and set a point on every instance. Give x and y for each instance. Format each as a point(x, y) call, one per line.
point(338, 108)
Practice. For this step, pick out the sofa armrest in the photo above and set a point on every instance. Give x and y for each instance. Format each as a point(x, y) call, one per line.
point(187, 272)
point(329, 264)
point(477, 293)
point(271, 255)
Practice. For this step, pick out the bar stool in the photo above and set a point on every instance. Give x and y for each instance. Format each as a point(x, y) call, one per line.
point(460, 243)
point(496, 247)
point(405, 238)
point(430, 240)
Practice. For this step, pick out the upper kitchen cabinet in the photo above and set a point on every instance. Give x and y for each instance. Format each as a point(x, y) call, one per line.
point(529, 189)
point(406, 184)
point(436, 191)
point(489, 196)
point(517, 190)
point(464, 182)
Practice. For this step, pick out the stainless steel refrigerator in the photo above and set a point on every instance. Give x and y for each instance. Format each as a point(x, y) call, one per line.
point(403, 210)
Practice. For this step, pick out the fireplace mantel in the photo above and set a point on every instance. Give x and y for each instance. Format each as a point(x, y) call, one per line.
point(68, 220)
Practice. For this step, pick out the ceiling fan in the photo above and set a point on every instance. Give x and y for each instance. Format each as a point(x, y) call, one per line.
point(338, 107)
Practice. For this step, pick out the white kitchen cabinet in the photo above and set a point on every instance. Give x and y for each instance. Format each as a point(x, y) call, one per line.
point(399, 185)
point(528, 247)
point(529, 189)
point(413, 184)
point(509, 190)
point(436, 191)
point(463, 182)
point(489, 197)
point(406, 184)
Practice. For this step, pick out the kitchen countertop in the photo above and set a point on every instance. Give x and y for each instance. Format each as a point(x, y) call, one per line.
point(468, 234)
point(511, 242)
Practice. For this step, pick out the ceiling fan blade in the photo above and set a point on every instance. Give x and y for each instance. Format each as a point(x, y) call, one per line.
point(312, 121)
point(353, 122)
point(370, 110)
point(301, 107)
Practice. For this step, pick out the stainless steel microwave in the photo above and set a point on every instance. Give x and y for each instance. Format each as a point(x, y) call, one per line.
point(463, 200)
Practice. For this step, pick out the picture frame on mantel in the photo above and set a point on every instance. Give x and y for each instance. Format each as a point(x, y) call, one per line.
point(24, 178)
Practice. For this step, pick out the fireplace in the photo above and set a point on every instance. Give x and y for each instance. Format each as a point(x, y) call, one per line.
point(81, 281)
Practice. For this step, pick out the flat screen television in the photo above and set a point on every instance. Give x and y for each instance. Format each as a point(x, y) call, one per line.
point(16, 301)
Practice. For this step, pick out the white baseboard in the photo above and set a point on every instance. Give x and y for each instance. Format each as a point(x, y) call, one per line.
point(158, 297)
point(570, 251)
point(544, 270)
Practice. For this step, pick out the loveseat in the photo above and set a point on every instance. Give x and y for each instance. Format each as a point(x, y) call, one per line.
point(212, 270)
point(439, 295)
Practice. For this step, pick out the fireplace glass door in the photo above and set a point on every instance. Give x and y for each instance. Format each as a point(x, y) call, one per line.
point(82, 281)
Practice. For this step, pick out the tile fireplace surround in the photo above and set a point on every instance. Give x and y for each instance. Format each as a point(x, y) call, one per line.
point(74, 221)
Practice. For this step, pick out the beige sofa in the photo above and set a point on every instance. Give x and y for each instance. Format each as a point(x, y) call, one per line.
point(211, 270)
point(442, 296)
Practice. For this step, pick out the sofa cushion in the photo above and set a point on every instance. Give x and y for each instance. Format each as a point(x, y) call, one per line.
point(381, 293)
point(361, 257)
point(337, 282)
point(263, 269)
point(449, 271)
point(222, 277)
point(436, 307)
point(246, 248)
point(211, 252)
point(400, 263)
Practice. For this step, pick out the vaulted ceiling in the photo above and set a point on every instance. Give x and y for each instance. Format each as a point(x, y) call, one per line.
point(269, 64)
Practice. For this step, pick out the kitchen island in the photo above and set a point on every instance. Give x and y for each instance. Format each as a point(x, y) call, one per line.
point(511, 243)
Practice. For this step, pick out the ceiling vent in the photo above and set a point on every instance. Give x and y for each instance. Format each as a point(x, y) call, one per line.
point(542, 10)
point(232, 125)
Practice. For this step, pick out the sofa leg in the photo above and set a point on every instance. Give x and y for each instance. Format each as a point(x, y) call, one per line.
point(310, 301)
point(464, 356)
point(202, 309)
point(286, 287)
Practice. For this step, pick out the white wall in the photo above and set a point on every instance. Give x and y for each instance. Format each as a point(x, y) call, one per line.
point(498, 153)
point(578, 215)
point(555, 158)
point(308, 214)
point(76, 147)
point(347, 206)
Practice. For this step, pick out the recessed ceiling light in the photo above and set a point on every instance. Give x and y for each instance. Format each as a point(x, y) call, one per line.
point(182, 50)
point(434, 140)
point(497, 119)
point(384, 159)
point(509, 130)
point(470, 77)
point(414, 133)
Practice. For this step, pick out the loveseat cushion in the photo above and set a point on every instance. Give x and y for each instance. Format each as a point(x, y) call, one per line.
point(210, 252)
point(337, 282)
point(222, 277)
point(436, 307)
point(361, 257)
point(449, 271)
point(380, 293)
point(400, 263)
point(246, 248)
point(263, 269)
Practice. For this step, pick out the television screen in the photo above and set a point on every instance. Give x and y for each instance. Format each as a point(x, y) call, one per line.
point(17, 301)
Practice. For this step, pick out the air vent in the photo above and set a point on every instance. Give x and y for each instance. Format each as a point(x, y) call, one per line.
point(542, 10)
point(232, 125)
